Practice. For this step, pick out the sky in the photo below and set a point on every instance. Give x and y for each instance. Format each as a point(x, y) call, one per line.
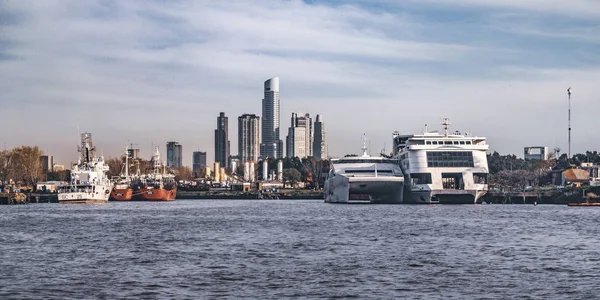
point(148, 72)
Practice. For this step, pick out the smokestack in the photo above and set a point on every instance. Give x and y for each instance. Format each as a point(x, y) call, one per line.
point(217, 171)
point(207, 172)
point(252, 172)
point(222, 174)
point(247, 171)
point(265, 170)
point(280, 170)
point(234, 165)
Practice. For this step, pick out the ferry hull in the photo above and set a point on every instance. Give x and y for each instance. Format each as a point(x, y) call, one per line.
point(160, 194)
point(121, 194)
point(385, 190)
point(444, 196)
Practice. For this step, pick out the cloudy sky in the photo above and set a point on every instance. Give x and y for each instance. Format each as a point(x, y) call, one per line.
point(149, 72)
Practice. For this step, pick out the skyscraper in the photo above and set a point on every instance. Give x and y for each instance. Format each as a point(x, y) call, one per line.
point(47, 162)
point(222, 140)
point(198, 161)
point(248, 137)
point(174, 155)
point(299, 141)
point(319, 142)
point(271, 145)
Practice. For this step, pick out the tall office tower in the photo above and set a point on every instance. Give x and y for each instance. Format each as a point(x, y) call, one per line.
point(133, 153)
point(271, 145)
point(47, 162)
point(222, 140)
point(299, 141)
point(198, 161)
point(248, 137)
point(174, 155)
point(319, 142)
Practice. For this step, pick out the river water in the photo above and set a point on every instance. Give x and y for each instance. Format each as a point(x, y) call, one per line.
point(274, 249)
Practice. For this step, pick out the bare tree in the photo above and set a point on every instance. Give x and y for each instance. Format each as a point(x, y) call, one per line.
point(5, 165)
point(314, 167)
point(115, 166)
point(28, 165)
point(183, 173)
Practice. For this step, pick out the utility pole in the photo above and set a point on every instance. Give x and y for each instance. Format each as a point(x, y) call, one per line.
point(569, 93)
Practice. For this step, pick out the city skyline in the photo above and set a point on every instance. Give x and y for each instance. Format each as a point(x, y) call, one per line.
point(497, 69)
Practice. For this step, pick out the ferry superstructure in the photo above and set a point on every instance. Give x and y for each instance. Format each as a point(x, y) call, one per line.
point(443, 167)
point(89, 183)
point(364, 179)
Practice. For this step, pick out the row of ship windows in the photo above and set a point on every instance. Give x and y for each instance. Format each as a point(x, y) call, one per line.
point(446, 159)
point(425, 178)
point(448, 142)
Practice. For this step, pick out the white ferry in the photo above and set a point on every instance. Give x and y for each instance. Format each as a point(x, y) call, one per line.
point(364, 179)
point(89, 183)
point(443, 167)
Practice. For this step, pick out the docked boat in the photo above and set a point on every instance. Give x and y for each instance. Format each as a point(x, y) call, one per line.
point(157, 186)
point(89, 183)
point(443, 167)
point(364, 179)
point(122, 189)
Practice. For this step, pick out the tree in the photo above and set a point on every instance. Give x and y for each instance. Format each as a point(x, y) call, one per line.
point(314, 169)
point(5, 165)
point(27, 164)
point(291, 176)
point(115, 166)
point(183, 173)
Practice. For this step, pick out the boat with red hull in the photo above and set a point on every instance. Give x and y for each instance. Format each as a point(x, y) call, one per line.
point(157, 194)
point(158, 186)
point(121, 192)
point(122, 189)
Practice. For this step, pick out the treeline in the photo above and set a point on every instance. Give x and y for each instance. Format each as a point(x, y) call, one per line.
point(511, 171)
point(21, 165)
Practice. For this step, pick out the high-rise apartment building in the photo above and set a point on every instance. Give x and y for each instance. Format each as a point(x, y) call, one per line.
point(319, 141)
point(133, 153)
point(47, 162)
point(222, 144)
point(299, 141)
point(198, 161)
point(271, 145)
point(174, 155)
point(248, 137)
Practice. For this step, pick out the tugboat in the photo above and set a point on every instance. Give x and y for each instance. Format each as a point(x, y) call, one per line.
point(158, 186)
point(89, 183)
point(122, 190)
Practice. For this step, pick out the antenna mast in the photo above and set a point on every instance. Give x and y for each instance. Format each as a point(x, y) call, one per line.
point(446, 125)
point(364, 148)
point(569, 93)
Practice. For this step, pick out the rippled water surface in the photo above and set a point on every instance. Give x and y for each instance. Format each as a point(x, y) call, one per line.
point(300, 249)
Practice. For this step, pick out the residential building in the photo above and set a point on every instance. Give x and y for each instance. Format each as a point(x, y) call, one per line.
point(198, 161)
point(133, 153)
point(248, 137)
point(174, 155)
point(536, 153)
point(222, 144)
point(271, 145)
point(47, 162)
point(299, 141)
point(319, 140)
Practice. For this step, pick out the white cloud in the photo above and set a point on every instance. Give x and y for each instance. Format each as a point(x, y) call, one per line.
point(156, 71)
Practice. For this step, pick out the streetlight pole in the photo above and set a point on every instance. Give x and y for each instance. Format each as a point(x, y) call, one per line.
point(569, 93)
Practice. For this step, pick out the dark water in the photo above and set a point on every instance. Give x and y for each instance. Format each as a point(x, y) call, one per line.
point(300, 249)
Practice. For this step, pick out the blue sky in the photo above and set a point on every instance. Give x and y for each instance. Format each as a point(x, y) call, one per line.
point(154, 71)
